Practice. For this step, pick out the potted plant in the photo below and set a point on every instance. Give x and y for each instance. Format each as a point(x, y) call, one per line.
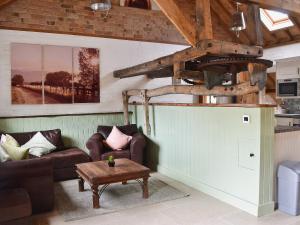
point(111, 161)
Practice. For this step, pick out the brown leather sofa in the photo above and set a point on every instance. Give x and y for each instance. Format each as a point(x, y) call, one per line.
point(37, 175)
point(64, 159)
point(135, 150)
point(33, 175)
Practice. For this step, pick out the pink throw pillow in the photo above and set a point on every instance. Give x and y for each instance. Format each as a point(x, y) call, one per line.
point(117, 140)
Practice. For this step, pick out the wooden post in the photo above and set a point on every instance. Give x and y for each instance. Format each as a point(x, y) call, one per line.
point(146, 112)
point(262, 96)
point(254, 25)
point(177, 68)
point(203, 20)
point(125, 107)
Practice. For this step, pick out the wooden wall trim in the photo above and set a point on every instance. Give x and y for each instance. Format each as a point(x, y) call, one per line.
point(60, 115)
point(208, 105)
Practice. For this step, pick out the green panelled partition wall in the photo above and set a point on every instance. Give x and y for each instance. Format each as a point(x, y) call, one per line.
point(211, 149)
point(76, 129)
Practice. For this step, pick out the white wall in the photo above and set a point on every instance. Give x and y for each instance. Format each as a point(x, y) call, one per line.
point(281, 52)
point(114, 54)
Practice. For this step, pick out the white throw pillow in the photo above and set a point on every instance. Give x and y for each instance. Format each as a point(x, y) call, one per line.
point(117, 140)
point(3, 139)
point(3, 155)
point(38, 145)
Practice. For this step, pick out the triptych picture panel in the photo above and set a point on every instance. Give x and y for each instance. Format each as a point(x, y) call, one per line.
point(54, 74)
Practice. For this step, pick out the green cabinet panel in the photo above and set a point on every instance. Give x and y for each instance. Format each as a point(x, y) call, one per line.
point(210, 148)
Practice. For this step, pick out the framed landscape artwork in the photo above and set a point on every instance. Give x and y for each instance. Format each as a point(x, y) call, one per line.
point(54, 74)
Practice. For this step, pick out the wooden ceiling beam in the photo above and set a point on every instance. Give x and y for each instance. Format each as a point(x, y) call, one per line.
point(5, 2)
point(236, 90)
point(291, 7)
point(185, 26)
point(205, 47)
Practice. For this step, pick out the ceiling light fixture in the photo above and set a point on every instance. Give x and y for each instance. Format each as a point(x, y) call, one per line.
point(101, 5)
point(238, 21)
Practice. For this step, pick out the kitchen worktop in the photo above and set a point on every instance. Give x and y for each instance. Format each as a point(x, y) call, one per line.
point(287, 115)
point(284, 129)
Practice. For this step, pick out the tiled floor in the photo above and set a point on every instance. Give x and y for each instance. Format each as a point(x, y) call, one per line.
point(198, 209)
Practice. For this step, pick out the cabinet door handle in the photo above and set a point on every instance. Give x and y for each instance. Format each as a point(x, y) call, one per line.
point(252, 155)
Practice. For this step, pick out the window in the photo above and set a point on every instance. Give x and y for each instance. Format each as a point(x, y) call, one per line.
point(275, 20)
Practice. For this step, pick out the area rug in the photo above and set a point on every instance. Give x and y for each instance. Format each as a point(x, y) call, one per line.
point(74, 205)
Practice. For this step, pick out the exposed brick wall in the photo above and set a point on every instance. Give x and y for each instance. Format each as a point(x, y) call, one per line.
point(75, 17)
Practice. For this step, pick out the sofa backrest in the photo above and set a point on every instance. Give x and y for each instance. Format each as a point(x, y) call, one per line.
point(126, 129)
point(54, 136)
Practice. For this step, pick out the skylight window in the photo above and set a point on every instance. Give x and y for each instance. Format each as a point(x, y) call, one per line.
point(275, 20)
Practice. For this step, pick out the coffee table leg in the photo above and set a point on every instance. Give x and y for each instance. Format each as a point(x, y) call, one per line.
point(145, 187)
point(81, 184)
point(96, 203)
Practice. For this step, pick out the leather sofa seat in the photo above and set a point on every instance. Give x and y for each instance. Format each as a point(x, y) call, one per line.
point(116, 154)
point(68, 158)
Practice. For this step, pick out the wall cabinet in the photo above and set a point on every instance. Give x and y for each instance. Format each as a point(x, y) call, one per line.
point(288, 68)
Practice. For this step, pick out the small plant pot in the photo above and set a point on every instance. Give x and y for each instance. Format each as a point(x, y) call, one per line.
point(111, 164)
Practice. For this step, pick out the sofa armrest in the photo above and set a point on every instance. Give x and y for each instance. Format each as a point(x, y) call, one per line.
point(137, 148)
point(95, 146)
point(37, 167)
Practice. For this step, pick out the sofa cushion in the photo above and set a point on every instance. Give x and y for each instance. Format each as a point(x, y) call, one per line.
point(68, 158)
point(38, 145)
point(14, 152)
point(8, 139)
point(116, 154)
point(127, 129)
point(14, 204)
point(117, 140)
point(54, 136)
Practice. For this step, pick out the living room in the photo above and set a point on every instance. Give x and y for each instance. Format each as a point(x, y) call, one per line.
point(118, 111)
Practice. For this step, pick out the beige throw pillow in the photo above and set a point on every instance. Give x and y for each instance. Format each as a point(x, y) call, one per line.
point(3, 155)
point(15, 153)
point(6, 138)
point(12, 148)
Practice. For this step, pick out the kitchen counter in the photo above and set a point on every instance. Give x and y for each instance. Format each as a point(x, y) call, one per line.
point(296, 116)
point(284, 129)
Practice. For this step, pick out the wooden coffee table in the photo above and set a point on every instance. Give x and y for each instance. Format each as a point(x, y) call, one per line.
point(99, 173)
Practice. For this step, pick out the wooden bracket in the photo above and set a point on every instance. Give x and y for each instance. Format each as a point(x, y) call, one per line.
point(258, 74)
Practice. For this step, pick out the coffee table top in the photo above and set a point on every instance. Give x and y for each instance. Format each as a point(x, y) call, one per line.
point(97, 173)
